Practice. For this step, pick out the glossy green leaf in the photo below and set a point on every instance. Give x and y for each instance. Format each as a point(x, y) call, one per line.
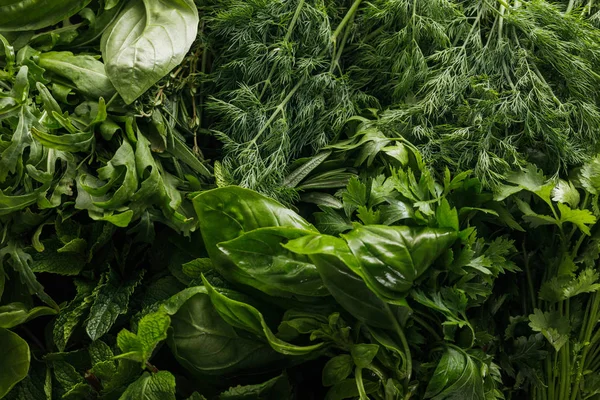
point(457, 376)
point(391, 258)
point(146, 42)
point(227, 213)
point(28, 15)
point(14, 362)
point(244, 316)
point(272, 268)
point(336, 264)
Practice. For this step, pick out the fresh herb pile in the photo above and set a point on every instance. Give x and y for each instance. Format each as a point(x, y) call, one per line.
point(299, 199)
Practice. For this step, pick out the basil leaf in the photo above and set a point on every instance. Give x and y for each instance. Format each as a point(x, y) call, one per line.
point(205, 344)
point(28, 15)
point(392, 257)
point(244, 316)
point(14, 362)
point(148, 40)
point(265, 265)
point(336, 264)
point(227, 213)
point(337, 369)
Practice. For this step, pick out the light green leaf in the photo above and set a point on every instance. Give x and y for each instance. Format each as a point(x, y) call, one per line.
point(15, 314)
point(590, 175)
point(21, 263)
point(552, 325)
point(85, 72)
point(565, 192)
point(14, 362)
point(159, 386)
point(581, 218)
point(152, 329)
point(146, 42)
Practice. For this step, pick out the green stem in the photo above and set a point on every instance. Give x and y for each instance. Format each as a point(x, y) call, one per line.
point(359, 384)
point(570, 6)
point(529, 279)
point(589, 325)
point(405, 346)
point(346, 19)
point(286, 39)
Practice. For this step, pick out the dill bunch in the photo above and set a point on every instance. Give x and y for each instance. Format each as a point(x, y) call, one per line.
point(278, 88)
point(500, 84)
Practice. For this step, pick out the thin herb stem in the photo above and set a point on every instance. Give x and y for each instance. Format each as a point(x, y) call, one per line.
point(286, 39)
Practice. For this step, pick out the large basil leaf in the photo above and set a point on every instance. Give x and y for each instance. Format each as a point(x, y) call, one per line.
point(392, 257)
point(148, 40)
point(333, 260)
point(14, 362)
point(272, 268)
point(244, 316)
point(227, 213)
point(207, 345)
point(28, 15)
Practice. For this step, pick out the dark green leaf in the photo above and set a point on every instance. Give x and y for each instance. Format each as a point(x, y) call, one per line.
point(14, 362)
point(272, 268)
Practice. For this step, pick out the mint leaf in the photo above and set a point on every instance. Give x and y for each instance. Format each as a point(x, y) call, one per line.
point(111, 300)
point(70, 317)
point(152, 329)
point(159, 386)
